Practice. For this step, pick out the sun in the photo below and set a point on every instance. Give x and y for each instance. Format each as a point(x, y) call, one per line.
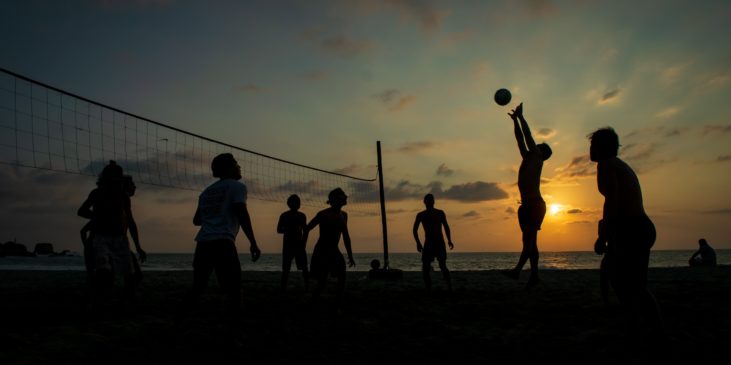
point(555, 208)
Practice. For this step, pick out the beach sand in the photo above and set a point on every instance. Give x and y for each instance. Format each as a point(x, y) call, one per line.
point(487, 319)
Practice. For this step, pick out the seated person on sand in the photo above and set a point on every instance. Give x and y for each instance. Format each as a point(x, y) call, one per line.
point(704, 257)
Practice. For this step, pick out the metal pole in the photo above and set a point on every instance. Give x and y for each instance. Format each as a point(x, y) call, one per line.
point(383, 207)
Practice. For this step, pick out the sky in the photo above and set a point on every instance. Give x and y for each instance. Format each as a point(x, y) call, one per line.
point(319, 82)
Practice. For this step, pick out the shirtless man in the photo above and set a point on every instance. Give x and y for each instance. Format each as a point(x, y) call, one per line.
point(433, 219)
point(626, 233)
point(532, 208)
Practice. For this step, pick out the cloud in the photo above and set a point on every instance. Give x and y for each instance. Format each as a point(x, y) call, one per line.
point(471, 214)
point(574, 211)
point(654, 132)
point(579, 167)
point(405, 190)
point(510, 210)
point(546, 133)
point(673, 73)
point(394, 99)
point(668, 112)
point(347, 170)
point(636, 152)
point(428, 17)
point(443, 170)
point(346, 47)
point(609, 96)
point(251, 89)
point(416, 147)
point(716, 129)
point(717, 80)
point(580, 222)
point(723, 158)
point(387, 96)
point(540, 8)
point(470, 192)
point(718, 211)
point(339, 44)
point(642, 157)
point(298, 186)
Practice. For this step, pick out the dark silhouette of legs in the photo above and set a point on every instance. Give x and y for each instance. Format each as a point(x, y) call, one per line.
point(321, 283)
point(445, 273)
point(222, 257)
point(306, 277)
point(341, 286)
point(286, 267)
point(425, 271)
point(528, 254)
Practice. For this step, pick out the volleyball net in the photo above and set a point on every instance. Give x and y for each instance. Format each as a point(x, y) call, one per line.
point(44, 127)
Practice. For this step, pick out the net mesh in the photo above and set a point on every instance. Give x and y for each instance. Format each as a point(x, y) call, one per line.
point(44, 127)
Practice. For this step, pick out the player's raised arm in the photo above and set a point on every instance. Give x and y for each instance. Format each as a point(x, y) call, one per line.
point(516, 113)
point(526, 130)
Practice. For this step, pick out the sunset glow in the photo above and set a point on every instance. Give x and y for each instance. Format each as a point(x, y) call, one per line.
point(554, 209)
point(318, 83)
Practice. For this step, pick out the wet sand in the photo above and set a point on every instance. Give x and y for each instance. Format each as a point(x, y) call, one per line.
point(488, 318)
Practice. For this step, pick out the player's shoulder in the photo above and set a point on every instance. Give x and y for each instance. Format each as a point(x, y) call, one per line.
point(236, 183)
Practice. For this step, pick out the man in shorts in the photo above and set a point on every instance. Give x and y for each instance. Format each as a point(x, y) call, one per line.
point(626, 233)
point(292, 225)
point(221, 211)
point(434, 248)
point(532, 208)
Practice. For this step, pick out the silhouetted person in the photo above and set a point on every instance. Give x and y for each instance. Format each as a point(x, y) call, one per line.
point(292, 224)
point(626, 233)
point(705, 256)
point(326, 256)
point(221, 211)
point(432, 220)
point(110, 211)
point(87, 238)
point(532, 208)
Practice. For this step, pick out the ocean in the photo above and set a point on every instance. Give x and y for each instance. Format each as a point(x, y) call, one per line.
point(456, 261)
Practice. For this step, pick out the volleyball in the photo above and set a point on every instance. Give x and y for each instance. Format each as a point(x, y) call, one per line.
point(502, 96)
